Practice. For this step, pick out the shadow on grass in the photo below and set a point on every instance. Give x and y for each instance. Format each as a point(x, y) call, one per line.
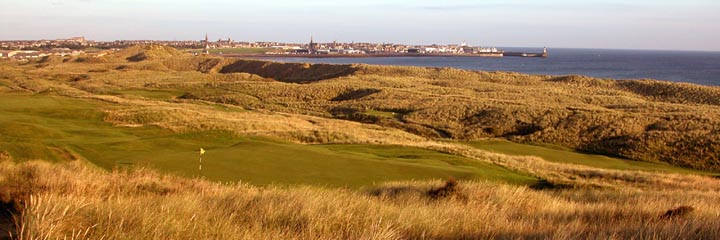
point(7, 223)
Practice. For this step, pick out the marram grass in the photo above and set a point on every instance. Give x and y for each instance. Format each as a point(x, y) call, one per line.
point(75, 201)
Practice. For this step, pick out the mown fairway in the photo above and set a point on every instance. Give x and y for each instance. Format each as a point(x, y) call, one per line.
point(58, 128)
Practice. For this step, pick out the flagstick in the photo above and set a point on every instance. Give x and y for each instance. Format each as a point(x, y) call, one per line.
point(202, 151)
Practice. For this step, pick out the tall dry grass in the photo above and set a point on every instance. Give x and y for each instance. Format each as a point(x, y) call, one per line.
point(630, 119)
point(72, 200)
point(642, 120)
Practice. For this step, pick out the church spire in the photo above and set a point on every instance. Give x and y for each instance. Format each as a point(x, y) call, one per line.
point(311, 47)
point(206, 47)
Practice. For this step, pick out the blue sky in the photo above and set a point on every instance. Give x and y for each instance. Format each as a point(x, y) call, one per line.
point(638, 24)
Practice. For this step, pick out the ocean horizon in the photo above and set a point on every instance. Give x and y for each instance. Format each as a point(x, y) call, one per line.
point(698, 67)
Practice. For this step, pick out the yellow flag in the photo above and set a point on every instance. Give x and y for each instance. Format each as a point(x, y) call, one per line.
point(202, 151)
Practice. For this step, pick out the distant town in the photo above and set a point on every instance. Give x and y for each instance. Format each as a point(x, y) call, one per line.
point(27, 49)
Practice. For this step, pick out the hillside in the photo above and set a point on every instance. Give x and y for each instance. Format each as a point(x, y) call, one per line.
point(107, 148)
point(642, 120)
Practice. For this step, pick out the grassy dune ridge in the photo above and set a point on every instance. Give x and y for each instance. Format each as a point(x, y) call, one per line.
point(642, 120)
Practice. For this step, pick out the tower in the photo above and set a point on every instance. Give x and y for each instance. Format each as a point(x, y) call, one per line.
point(206, 48)
point(311, 47)
point(545, 53)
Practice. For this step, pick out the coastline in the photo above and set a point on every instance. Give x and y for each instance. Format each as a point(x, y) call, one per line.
point(373, 55)
point(698, 68)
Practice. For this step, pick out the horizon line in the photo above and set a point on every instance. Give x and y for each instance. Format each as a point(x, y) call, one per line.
point(420, 44)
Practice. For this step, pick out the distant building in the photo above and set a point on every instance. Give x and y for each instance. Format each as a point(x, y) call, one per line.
point(466, 49)
point(63, 52)
point(225, 43)
point(26, 54)
point(352, 51)
point(77, 39)
point(206, 47)
point(312, 47)
point(431, 50)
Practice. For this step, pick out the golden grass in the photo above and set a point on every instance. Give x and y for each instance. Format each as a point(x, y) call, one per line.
point(72, 200)
point(145, 52)
point(420, 107)
point(639, 119)
point(593, 115)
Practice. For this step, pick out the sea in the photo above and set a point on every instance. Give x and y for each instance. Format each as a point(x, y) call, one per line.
point(677, 66)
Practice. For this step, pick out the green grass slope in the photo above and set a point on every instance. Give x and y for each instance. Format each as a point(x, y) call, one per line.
point(58, 128)
point(564, 155)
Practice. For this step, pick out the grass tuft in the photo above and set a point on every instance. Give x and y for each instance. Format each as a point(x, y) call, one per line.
point(450, 188)
point(677, 213)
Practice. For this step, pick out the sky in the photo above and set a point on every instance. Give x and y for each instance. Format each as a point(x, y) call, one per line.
point(636, 24)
